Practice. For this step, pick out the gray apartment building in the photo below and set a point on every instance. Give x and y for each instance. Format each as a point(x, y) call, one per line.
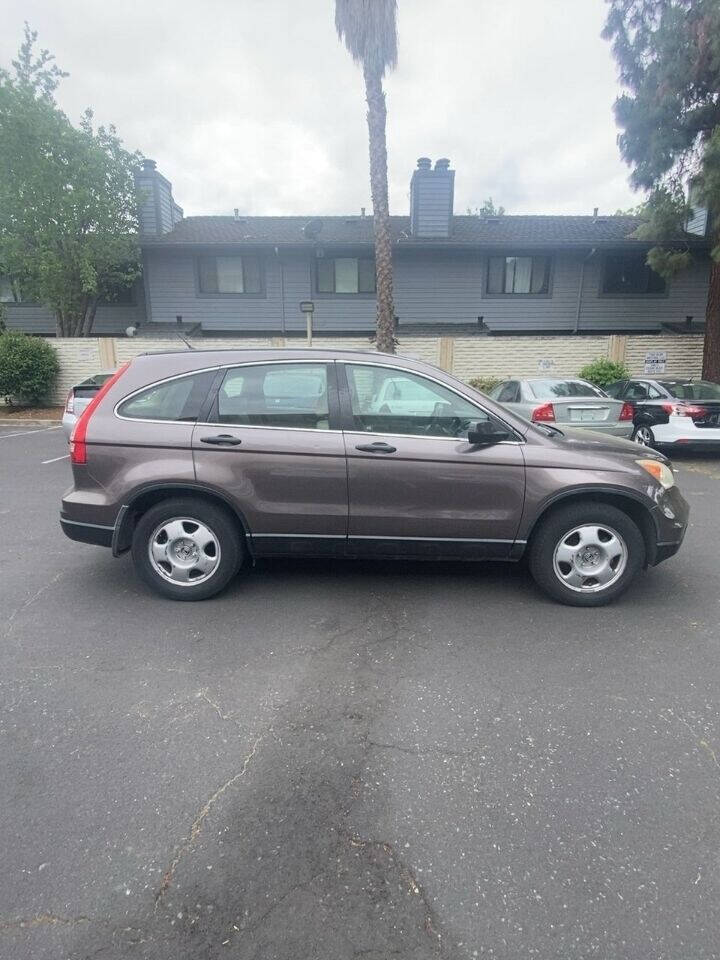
point(235, 275)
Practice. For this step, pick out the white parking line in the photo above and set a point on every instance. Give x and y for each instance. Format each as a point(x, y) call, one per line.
point(55, 459)
point(26, 433)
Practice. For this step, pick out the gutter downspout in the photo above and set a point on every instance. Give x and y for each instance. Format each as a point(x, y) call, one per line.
point(282, 290)
point(580, 289)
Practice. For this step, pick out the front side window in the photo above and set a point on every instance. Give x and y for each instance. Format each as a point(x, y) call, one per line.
point(275, 395)
point(628, 274)
point(230, 275)
point(345, 275)
point(395, 401)
point(179, 400)
point(529, 275)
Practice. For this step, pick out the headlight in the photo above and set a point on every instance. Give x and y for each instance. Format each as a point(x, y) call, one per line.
point(660, 471)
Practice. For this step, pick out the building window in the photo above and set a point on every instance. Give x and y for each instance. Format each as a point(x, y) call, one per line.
point(528, 275)
point(343, 275)
point(230, 275)
point(628, 274)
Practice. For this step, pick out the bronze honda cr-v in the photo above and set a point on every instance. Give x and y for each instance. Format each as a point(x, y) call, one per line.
point(201, 461)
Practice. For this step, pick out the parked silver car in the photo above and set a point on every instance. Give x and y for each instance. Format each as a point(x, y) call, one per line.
point(567, 402)
point(79, 397)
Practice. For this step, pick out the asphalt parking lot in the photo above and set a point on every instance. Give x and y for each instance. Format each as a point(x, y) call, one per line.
point(335, 760)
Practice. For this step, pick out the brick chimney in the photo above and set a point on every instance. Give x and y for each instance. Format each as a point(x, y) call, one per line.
point(158, 211)
point(431, 198)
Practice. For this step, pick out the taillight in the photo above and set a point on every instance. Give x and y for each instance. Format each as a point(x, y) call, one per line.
point(627, 412)
point(78, 446)
point(685, 410)
point(70, 402)
point(543, 414)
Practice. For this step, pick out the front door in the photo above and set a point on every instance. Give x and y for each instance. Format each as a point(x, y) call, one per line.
point(274, 445)
point(416, 486)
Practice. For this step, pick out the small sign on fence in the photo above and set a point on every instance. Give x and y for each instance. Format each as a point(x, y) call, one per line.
point(655, 361)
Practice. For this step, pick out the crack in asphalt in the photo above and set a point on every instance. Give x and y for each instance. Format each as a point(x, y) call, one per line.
point(407, 875)
point(699, 740)
point(197, 824)
point(43, 919)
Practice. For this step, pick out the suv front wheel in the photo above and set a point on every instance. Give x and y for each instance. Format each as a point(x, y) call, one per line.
point(186, 548)
point(586, 554)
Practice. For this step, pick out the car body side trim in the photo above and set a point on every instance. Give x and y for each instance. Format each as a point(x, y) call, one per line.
point(302, 536)
point(80, 523)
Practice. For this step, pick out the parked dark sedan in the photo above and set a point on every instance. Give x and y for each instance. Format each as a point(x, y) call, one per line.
point(675, 412)
point(201, 461)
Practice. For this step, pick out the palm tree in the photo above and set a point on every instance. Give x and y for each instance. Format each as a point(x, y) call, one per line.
point(369, 30)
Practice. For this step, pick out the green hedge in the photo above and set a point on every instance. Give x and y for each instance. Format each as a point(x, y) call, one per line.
point(28, 368)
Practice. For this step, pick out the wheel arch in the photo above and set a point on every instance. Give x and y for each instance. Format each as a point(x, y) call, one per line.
point(148, 496)
point(639, 512)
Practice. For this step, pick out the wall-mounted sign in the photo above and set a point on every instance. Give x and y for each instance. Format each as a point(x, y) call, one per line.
point(655, 361)
point(544, 364)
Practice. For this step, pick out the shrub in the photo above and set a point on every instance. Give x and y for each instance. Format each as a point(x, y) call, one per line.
point(28, 368)
point(602, 372)
point(484, 384)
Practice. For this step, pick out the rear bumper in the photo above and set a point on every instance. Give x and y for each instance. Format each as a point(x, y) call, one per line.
point(95, 533)
point(682, 434)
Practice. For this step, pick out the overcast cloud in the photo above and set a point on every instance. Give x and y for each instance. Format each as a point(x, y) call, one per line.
point(255, 104)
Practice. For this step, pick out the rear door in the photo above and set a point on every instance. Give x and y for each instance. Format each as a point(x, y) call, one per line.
point(274, 444)
point(416, 486)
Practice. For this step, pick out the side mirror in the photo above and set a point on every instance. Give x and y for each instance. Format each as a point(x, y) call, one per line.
point(486, 433)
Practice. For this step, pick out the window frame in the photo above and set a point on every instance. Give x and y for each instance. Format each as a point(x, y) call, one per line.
point(204, 406)
point(602, 293)
point(520, 296)
point(200, 294)
point(326, 295)
point(348, 420)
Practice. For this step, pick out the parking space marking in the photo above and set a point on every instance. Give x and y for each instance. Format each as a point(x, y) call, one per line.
point(55, 459)
point(27, 433)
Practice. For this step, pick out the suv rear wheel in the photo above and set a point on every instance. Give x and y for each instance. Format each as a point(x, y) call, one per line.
point(586, 554)
point(186, 549)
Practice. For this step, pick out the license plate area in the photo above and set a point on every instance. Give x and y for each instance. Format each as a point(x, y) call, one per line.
point(588, 414)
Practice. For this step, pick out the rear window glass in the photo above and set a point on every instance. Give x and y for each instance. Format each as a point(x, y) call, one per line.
point(692, 390)
point(179, 399)
point(549, 389)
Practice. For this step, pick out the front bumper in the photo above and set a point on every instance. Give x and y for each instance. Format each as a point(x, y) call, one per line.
point(671, 514)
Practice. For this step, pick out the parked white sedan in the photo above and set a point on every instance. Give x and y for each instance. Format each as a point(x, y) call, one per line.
point(79, 397)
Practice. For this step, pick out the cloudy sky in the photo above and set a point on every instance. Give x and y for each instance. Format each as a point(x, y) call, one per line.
point(254, 103)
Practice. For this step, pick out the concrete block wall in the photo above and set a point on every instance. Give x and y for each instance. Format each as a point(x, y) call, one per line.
point(466, 357)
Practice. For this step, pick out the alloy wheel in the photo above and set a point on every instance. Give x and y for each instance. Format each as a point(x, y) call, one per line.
point(184, 551)
point(590, 558)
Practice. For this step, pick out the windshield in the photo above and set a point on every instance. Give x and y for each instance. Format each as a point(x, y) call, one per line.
point(549, 389)
point(692, 390)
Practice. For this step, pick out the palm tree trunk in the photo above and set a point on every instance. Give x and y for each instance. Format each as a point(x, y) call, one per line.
point(376, 116)
point(711, 352)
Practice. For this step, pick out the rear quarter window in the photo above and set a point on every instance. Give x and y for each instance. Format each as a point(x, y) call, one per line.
point(180, 399)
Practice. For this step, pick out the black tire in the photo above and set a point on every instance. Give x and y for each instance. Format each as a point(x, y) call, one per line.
point(221, 524)
point(647, 432)
point(560, 523)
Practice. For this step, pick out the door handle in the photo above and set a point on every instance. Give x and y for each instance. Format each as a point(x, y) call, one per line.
point(222, 440)
point(377, 447)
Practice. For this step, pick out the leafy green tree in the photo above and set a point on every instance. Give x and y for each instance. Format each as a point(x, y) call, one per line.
point(488, 209)
point(68, 203)
point(668, 52)
point(369, 30)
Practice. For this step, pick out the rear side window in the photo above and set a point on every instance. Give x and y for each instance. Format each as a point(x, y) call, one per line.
point(180, 399)
point(275, 395)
